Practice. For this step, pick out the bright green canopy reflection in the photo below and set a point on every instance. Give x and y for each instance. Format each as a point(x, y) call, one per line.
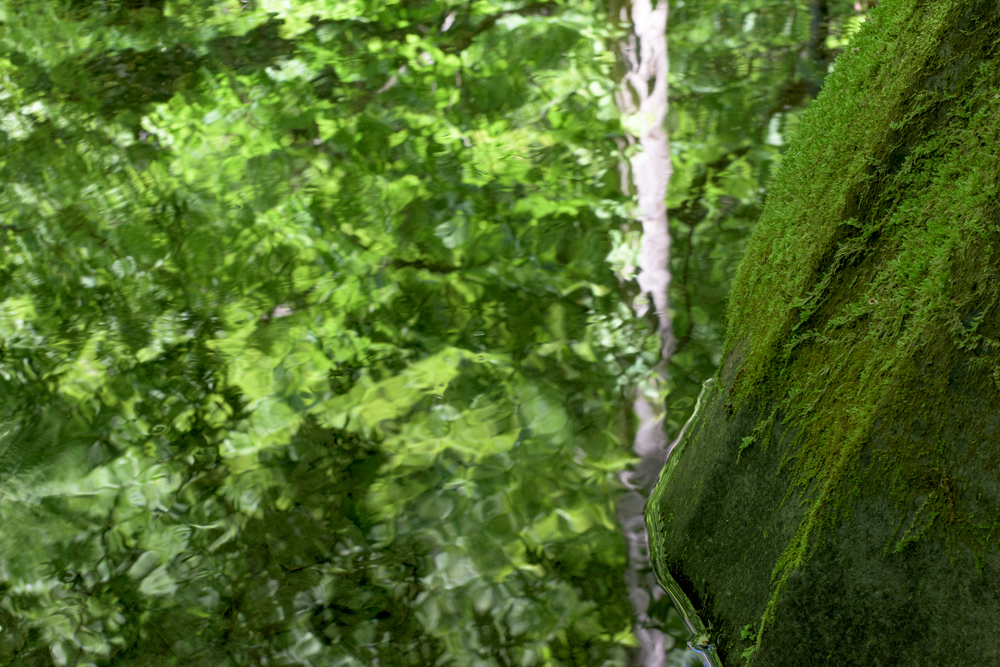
point(311, 351)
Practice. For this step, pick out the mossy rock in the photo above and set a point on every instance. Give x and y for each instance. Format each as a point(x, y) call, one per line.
point(837, 501)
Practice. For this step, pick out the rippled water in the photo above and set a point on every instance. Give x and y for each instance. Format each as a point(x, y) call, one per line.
point(310, 349)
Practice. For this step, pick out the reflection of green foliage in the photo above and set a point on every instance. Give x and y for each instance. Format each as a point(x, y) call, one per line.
point(310, 347)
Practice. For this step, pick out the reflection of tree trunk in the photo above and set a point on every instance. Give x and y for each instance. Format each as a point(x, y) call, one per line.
point(837, 500)
point(642, 101)
point(642, 586)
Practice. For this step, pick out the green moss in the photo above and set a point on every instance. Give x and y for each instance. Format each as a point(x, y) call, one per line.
point(748, 634)
point(876, 253)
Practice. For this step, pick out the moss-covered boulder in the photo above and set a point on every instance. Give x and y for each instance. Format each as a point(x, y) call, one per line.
point(837, 499)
